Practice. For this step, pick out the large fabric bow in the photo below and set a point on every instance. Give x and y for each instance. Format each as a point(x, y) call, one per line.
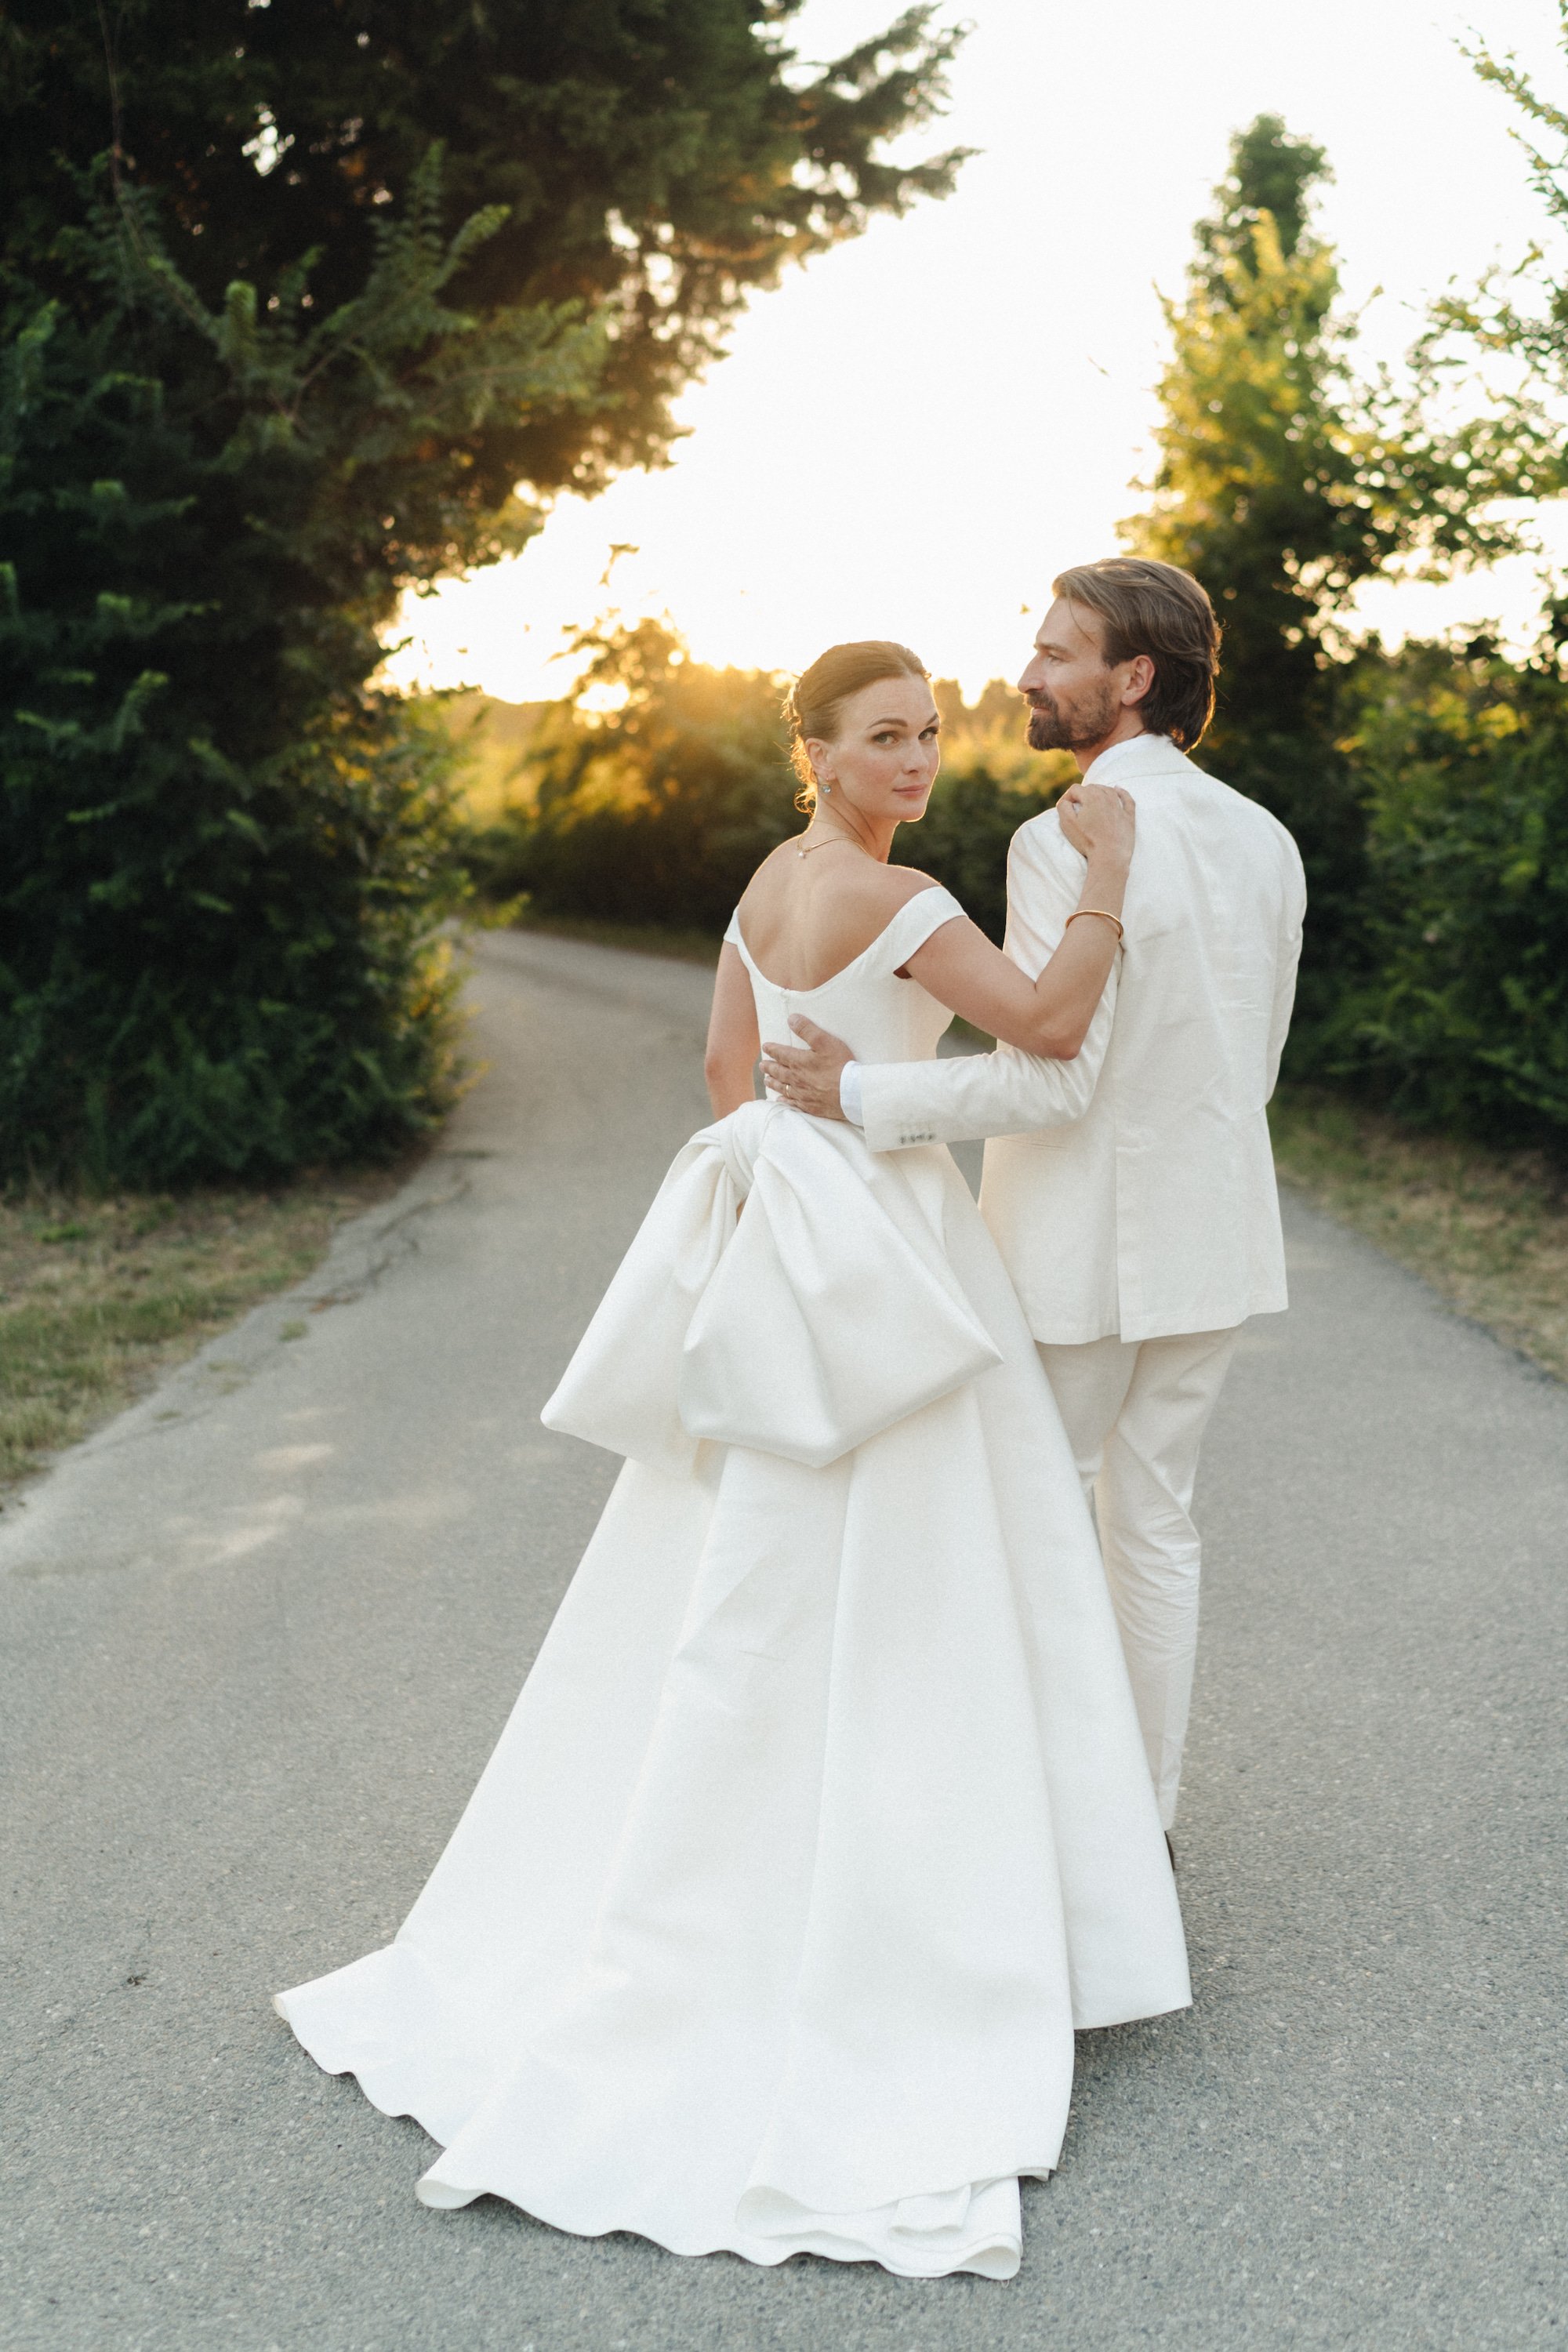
point(786, 1291)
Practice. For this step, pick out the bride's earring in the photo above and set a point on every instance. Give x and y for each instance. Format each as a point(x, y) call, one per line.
point(825, 788)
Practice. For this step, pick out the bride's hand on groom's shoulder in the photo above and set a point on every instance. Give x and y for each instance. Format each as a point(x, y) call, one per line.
point(1100, 821)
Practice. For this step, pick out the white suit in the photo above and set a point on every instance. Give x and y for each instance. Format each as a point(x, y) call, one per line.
point(1142, 1229)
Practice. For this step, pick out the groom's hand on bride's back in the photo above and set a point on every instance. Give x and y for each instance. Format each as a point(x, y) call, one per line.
point(807, 1075)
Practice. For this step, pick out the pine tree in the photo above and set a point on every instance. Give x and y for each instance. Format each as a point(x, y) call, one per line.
point(301, 305)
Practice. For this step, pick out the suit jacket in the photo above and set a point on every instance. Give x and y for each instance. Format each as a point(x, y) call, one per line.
point(1155, 1210)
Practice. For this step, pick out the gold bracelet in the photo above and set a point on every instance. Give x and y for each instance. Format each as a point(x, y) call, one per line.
point(1104, 918)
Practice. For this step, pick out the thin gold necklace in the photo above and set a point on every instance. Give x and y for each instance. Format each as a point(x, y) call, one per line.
point(828, 843)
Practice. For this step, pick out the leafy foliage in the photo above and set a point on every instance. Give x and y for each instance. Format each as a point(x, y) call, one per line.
point(299, 307)
point(222, 857)
point(1427, 787)
point(646, 165)
point(658, 809)
point(990, 783)
point(1520, 318)
point(1463, 1018)
point(963, 839)
point(1284, 482)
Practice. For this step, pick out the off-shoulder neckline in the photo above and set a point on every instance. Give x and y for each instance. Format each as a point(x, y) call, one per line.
point(929, 890)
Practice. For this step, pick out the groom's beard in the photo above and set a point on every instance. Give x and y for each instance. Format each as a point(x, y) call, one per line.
point(1090, 719)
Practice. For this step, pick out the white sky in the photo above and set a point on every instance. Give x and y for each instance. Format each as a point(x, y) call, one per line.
point(912, 434)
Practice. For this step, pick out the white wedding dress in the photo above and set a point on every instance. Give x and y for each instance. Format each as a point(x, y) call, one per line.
point(823, 1817)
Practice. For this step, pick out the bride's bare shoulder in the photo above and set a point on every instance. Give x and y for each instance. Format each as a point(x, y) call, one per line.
point(807, 926)
point(906, 882)
point(771, 875)
point(852, 882)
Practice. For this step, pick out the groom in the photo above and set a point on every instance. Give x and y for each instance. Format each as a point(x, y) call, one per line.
point(1140, 1234)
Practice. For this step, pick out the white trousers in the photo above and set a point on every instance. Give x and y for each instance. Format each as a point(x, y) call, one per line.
point(1135, 1412)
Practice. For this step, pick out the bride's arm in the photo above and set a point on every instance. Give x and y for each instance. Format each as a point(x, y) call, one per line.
point(734, 1044)
point(1050, 1016)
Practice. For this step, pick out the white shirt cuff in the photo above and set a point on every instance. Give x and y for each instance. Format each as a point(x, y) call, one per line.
point(849, 1094)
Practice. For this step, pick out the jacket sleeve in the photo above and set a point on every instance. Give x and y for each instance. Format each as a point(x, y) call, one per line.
point(1006, 1092)
point(1292, 917)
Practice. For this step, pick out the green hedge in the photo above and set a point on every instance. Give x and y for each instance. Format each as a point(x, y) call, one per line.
point(1432, 818)
point(223, 857)
point(660, 811)
point(962, 840)
point(684, 867)
point(207, 972)
point(1461, 1018)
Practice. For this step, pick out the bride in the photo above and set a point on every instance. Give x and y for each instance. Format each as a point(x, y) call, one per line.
point(823, 1819)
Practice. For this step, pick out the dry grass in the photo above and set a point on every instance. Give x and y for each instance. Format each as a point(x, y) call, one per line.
point(96, 1296)
point(1487, 1229)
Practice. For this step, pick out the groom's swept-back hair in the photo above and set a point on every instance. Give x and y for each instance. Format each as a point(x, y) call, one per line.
point(814, 702)
point(1159, 610)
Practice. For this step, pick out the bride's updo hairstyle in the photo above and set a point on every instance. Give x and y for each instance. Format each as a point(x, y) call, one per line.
point(814, 703)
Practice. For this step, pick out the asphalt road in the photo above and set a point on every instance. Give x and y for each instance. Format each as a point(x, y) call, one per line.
point(258, 1636)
